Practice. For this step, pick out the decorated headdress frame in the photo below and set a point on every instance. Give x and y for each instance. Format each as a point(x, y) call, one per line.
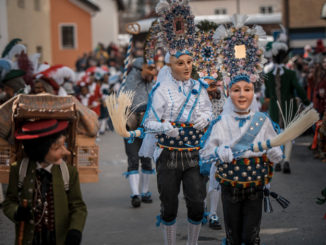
point(206, 53)
point(240, 52)
point(177, 25)
point(154, 41)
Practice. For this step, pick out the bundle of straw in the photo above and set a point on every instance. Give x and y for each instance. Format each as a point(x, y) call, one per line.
point(299, 125)
point(119, 108)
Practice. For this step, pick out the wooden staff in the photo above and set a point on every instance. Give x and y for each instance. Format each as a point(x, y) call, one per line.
point(22, 226)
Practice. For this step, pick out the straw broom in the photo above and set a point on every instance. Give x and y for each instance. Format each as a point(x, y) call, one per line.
point(119, 108)
point(299, 125)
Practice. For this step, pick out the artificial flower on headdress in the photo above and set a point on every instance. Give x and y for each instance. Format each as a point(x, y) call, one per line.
point(153, 42)
point(177, 25)
point(205, 55)
point(240, 52)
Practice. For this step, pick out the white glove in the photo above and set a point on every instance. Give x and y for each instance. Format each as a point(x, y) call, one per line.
point(173, 133)
point(170, 130)
point(200, 123)
point(225, 153)
point(275, 155)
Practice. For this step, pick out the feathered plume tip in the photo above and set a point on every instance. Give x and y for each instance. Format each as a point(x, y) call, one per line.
point(220, 33)
point(34, 58)
point(9, 46)
point(281, 200)
point(259, 31)
point(16, 50)
point(239, 20)
point(63, 73)
point(162, 6)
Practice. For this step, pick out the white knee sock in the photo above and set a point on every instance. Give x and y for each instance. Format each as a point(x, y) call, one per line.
point(214, 199)
point(193, 233)
point(134, 183)
point(170, 234)
point(144, 182)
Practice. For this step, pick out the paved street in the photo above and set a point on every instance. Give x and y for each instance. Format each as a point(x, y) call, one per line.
point(112, 220)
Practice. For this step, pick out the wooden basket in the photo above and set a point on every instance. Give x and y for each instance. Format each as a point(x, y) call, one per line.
point(86, 160)
point(84, 150)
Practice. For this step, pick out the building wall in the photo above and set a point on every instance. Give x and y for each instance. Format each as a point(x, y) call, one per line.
point(208, 7)
point(305, 13)
point(65, 12)
point(105, 24)
point(3, 25)
point(32, 26)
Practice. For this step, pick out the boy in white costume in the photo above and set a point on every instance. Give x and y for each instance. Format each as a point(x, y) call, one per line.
point(241, 172)
point(179, 111)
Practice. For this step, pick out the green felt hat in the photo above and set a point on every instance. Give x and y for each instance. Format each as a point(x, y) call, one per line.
point(13, 74)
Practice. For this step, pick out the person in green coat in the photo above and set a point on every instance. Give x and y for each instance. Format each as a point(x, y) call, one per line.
point(282, 86)
point(55, 213)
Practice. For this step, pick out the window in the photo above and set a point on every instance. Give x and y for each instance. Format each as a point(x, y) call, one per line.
point(220, 11)
point(68, 36)
point(37, 5)
point(21, 3)
point(266, 10)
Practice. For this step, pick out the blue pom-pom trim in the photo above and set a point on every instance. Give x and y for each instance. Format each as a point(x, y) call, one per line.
point(268, 143)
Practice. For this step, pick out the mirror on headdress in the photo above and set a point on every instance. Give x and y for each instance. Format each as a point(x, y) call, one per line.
point(178, 25)
point(240, 51)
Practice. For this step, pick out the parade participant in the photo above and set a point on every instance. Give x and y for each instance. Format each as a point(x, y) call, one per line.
point(282, 87)
point(55, 212)
point(13, 83)
point(178, 114)
point(241, 173)
point(140, 82)
point(205, 61)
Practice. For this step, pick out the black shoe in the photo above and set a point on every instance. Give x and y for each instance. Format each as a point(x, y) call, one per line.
point(278, 167)
point(286, 168)
point(135, 201)
point(214, 223)
point(146, 198)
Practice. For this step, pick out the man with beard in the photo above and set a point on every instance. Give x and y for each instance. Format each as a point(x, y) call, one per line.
point(139, 81)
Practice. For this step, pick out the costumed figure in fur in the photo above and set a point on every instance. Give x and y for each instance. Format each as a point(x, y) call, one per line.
point(282, 87)
point(242, 143)
point(140, 82)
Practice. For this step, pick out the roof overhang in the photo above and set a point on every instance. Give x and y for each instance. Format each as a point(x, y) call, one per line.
point(259, 19)
point(87, 5)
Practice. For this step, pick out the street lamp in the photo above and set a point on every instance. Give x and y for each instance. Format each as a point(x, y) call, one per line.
point(323, 12)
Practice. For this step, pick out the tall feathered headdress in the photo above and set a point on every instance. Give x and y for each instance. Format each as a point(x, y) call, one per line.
point(241, 55)
point(177, 25)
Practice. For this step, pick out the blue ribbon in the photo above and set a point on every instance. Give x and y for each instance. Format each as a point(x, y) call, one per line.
point(242, 120)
